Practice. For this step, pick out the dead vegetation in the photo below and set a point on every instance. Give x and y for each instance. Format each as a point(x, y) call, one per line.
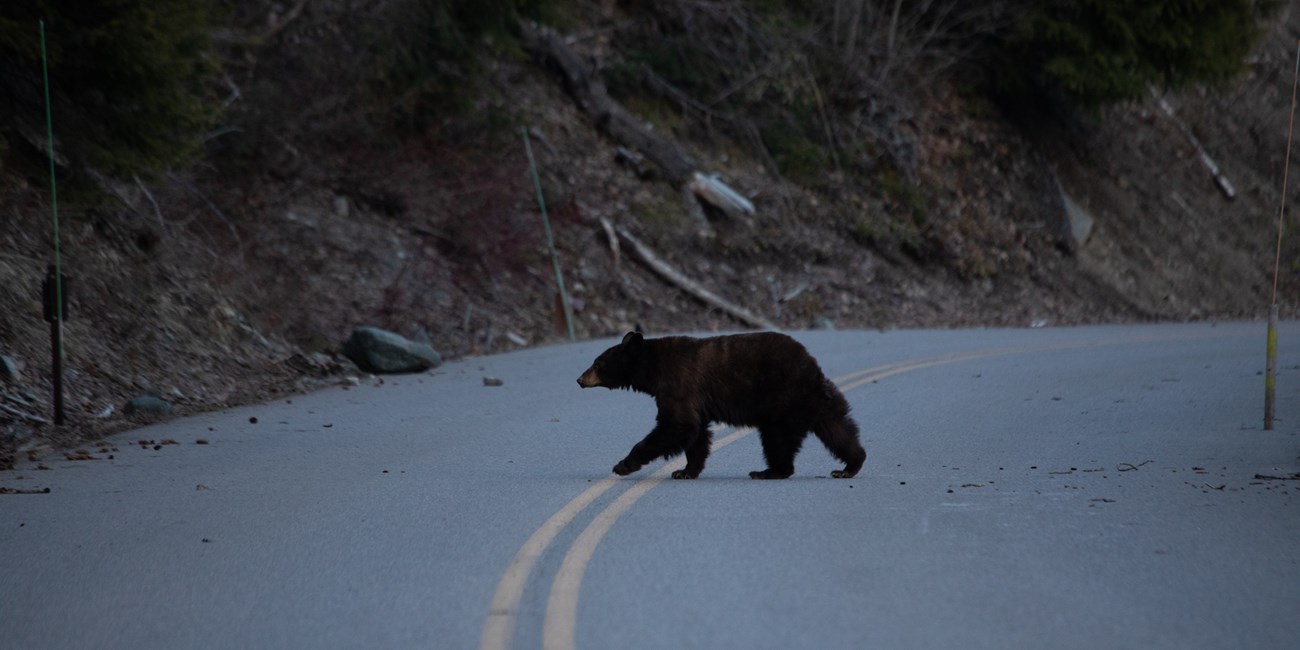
point(885, 194)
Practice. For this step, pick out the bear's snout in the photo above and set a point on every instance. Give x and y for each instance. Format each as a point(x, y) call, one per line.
point(589, 379)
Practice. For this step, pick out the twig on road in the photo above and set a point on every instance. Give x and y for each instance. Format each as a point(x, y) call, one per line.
point(1272, 477)
point(1130, 467)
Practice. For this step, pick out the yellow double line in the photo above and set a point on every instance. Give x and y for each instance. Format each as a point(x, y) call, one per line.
point(560, 623)
point(562, 604)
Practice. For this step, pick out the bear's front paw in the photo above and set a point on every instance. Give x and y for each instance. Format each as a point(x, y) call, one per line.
point(842, 473)
point(685, 474)
point(623, 468)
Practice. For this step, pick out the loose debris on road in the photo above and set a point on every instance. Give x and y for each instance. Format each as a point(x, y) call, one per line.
point(1276, 477)
point(1130, 467)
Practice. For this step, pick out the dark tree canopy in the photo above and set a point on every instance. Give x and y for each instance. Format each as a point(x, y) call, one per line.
point(128, 80)
point(1103, 51)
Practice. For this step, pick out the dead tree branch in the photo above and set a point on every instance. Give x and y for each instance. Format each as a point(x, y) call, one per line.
point(1220, 179)
point(646, 256)
point(282, 21)
point(590, 94)
point(21, 415)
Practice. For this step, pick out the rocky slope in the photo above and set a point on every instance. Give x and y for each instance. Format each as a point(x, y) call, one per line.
point(238, 279)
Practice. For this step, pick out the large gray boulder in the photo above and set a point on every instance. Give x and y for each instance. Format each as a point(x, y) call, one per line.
point(148, 403)
point(10, 371)
point(383, 352)
point(1075, 223)
point(1078, 224)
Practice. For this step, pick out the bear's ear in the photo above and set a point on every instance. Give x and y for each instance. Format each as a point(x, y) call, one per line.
point(632, 337)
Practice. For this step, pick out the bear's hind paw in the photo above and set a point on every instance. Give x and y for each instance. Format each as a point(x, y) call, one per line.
point(768, 475)
point(842, 473)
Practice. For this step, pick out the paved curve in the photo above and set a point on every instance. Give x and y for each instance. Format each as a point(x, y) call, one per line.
point(1090, 487)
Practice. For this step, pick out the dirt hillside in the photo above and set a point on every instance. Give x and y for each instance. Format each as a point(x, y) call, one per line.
point(237, 279)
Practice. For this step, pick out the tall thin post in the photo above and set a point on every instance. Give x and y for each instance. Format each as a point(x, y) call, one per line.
point(1270, 372)
point(550, 239)
point(56, 325)
point(1270, 366)
point(56, 352)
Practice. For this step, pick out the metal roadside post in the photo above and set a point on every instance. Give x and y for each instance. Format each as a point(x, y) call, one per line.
point(1270, 363)
point(565, 305)
point(54, 291)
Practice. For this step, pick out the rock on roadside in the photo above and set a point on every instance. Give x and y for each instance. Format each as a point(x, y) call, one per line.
point(383, 352)
point(151, 404)
point(10, 370)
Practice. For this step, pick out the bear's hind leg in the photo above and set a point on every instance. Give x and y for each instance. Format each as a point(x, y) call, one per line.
point(841, 437)
point(696, 454)
point(779, 448)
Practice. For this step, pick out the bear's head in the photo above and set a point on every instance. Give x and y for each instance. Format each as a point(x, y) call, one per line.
point(615, 367)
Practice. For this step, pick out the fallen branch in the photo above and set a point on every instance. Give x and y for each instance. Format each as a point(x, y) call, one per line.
point(162, 225)
point(695, 210)
point(194, 191)
point(282, 22)
point(656, 84)
point(635, 138)
point(613, 241)
point(241, 38)
point(235, 93)
point(1220, 178)
point(590, 94)
point(664, 270)
point(716, 193)
point(1130, 467)
point(23, 415)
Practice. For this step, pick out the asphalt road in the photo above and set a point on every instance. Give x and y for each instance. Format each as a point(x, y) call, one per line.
point(1049, 488)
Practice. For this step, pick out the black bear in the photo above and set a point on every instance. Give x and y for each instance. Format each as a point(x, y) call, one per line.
point(764, 380)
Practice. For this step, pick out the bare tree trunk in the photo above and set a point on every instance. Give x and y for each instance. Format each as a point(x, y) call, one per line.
point(851, 41)
point(835, 25)
point(893, 33)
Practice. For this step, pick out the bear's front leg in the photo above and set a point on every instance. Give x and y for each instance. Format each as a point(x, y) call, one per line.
point(635, 459)
point(627, 466)
point(662, 441)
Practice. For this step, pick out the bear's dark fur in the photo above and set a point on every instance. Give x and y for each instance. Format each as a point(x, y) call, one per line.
point(765, 380)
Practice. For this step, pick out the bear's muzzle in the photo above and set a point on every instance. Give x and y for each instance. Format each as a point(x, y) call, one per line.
point(589, 379)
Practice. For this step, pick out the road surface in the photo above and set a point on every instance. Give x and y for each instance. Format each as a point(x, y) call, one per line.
point(1047, 488)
